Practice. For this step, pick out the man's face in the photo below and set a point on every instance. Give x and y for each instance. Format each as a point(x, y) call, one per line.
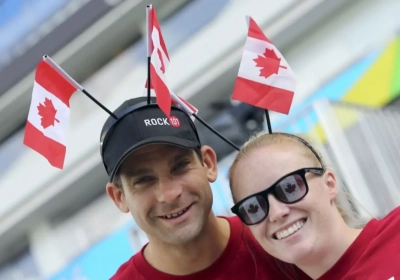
point(166, 189)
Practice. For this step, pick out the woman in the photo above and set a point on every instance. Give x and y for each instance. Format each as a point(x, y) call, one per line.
point(288, 198)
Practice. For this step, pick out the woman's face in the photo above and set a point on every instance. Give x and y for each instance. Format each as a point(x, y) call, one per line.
point(291, 231)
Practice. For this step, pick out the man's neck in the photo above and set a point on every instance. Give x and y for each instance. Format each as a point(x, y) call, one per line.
point(192, 257)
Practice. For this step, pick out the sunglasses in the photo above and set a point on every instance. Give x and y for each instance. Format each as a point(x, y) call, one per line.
point(289, 189)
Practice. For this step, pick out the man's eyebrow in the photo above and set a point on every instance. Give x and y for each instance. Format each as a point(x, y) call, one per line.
point(183, 154)
point(137, 172)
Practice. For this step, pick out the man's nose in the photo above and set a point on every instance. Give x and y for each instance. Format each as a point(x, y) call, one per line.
point(168, 190)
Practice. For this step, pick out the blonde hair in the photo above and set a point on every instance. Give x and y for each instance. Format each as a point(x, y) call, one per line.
point(261, 139)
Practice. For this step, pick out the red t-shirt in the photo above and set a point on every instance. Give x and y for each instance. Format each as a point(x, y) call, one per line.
point(242, 259)
point(374, 255)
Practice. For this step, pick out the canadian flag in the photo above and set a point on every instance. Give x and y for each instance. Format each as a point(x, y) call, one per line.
point(49, 113)
point(291, 188)
point(252, 208)
point(159, 64)
point(265, 79)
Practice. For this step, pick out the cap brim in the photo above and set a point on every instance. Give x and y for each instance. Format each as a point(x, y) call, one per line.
point(170, 140)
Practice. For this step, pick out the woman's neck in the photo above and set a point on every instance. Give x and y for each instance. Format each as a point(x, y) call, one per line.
point(320, 262)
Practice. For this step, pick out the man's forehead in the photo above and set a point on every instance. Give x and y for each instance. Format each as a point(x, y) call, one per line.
point(159, 150)
point(147, 155)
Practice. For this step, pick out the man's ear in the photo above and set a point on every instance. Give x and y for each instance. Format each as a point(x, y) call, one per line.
point(210, 162)
point(330, 182)
point(117, 195)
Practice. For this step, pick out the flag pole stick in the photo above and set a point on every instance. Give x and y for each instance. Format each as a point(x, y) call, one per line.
point(191, 113)
point(78, 86)
point(216, 132)
point(148, 26)
point(268, 121)
point(98, 103)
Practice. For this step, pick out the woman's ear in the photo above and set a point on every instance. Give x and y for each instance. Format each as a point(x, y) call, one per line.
point(330, 182)
point(209, 162)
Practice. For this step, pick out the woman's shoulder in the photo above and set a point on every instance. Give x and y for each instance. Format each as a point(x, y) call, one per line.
point(390, 221)
point(394, 214)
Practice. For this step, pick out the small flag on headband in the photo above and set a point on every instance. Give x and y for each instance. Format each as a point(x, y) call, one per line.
point(159, 61)
point(265, 79)
point(49, 113)
point(162, 60)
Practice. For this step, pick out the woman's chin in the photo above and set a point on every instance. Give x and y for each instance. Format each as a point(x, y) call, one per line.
point(293, 253)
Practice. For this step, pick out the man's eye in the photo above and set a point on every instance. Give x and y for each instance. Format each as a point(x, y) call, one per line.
point(143, 180)
point(181, 165)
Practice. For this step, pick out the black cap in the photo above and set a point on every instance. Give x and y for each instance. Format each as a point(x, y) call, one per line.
point(139, 124)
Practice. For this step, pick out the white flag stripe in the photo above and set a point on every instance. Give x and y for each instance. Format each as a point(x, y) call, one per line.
point(248, 69)
point(163, 55)
point(58, 131)
point(164, 58)
point(155, 36)
point(157, 65)
point(155, 60)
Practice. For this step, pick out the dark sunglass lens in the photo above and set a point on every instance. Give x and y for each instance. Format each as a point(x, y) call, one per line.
point(291, 188)
point(253, 210)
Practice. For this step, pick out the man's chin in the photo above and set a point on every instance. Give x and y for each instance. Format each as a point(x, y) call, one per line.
point(183, 234)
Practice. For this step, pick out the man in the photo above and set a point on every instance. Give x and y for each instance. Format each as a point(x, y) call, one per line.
point(161, 174)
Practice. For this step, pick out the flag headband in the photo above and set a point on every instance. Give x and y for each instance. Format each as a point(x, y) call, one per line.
point(253, 86)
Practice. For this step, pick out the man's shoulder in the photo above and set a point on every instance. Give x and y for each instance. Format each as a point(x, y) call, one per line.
point(127, 270)
point(233, 220)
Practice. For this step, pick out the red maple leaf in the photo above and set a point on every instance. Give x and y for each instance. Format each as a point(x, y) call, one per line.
point(162, 68)
point(269, 63)
point(47, 112)
point(290, 188)
point(252, 209)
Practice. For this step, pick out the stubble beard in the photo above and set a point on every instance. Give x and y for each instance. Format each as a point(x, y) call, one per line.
point(185, 233)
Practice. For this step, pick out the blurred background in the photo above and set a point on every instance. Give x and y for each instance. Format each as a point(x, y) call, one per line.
point(59, 224)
